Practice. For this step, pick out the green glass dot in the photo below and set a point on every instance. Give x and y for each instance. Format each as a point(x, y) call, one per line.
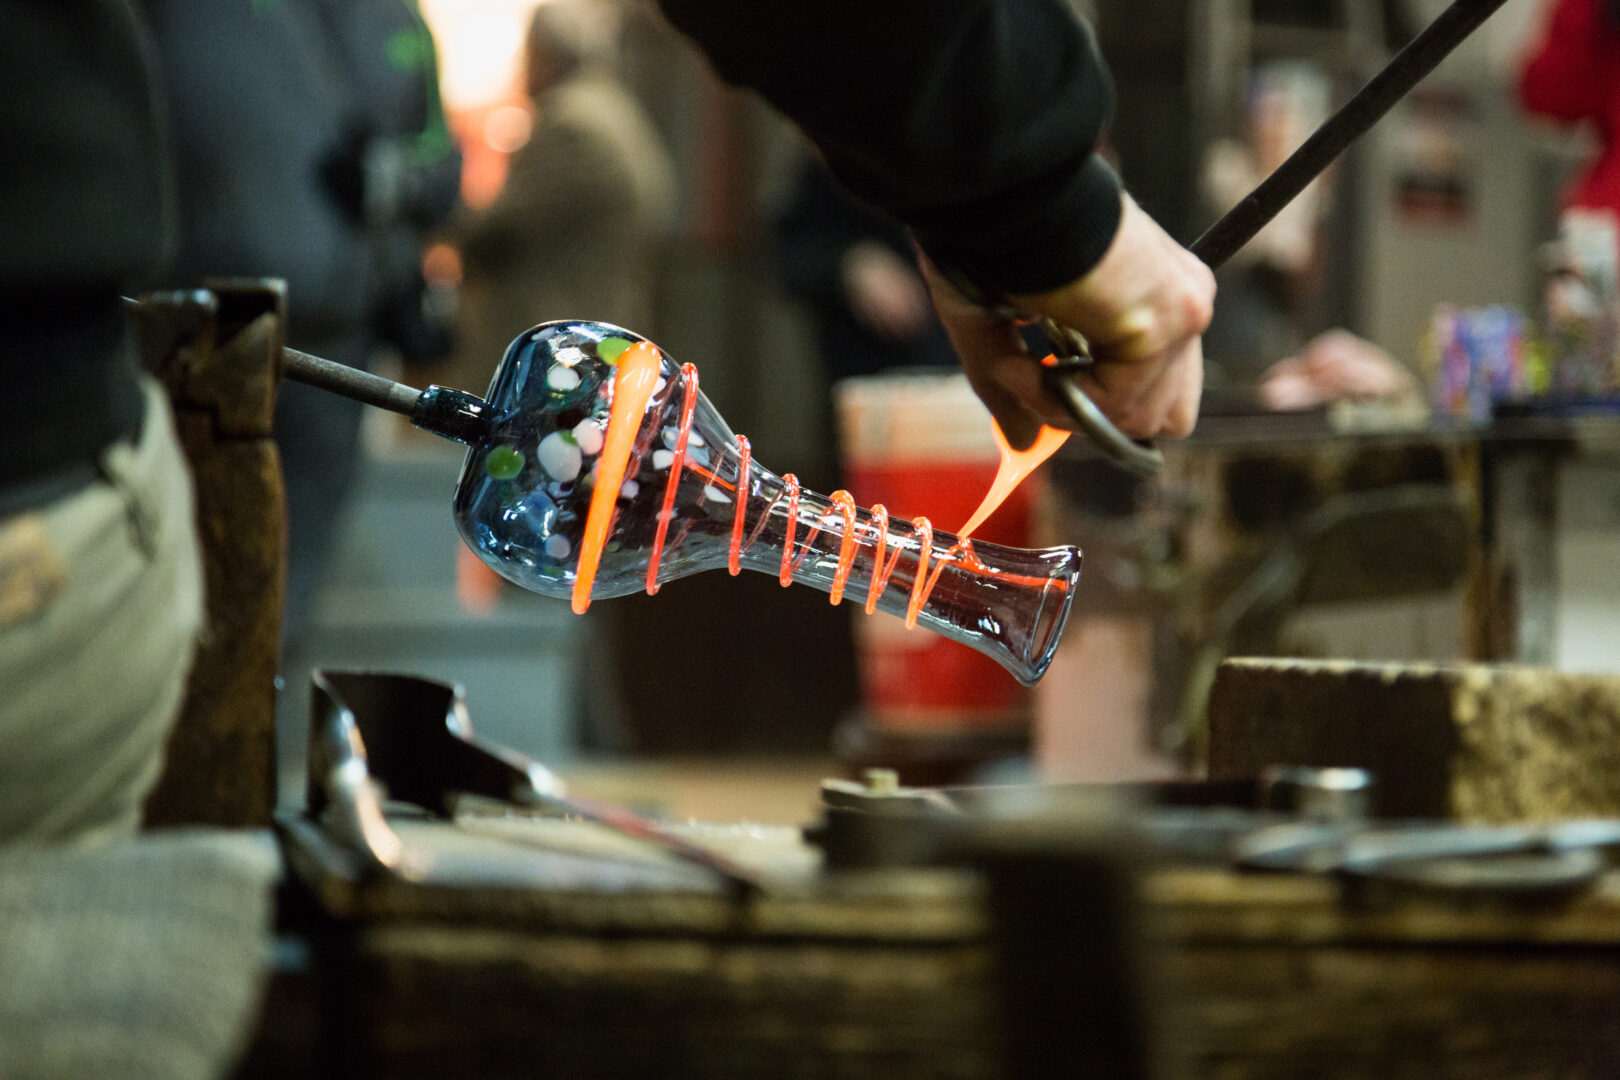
point(568, 437)
point(503, 463)
point(610, 349)
point(409, 49)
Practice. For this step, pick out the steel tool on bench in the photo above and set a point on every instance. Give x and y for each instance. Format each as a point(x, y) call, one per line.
point(378, 738)
point(1288, 820)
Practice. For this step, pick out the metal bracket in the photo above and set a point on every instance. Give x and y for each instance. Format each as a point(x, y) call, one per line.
point(381, 737)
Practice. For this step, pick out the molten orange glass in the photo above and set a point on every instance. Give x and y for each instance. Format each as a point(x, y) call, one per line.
point(1016, 465)
point(633, 386)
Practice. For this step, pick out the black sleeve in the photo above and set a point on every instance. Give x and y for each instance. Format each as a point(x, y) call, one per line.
point(86, 192)
point(973, 121)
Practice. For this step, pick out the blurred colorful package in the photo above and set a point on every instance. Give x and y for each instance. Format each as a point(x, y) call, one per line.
point(1476, 357)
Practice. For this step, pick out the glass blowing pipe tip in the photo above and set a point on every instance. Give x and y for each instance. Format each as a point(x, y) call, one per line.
point(454, 414)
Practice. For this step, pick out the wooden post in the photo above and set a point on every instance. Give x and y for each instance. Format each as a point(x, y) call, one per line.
point(218, 353)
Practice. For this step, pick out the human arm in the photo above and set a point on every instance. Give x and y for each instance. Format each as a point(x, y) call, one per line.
point(975, 122)
point(972, 121)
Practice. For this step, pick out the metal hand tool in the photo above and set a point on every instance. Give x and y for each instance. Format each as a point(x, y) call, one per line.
point(1243, 221)
point(1503, 861)
point(378, 738)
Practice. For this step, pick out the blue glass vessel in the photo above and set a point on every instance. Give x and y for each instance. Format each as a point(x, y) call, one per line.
point(697, 501)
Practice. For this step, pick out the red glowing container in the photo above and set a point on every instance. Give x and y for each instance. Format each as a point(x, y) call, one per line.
point(922, 445)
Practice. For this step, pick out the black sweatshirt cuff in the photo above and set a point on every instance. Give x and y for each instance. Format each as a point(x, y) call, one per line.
point(1001, 251)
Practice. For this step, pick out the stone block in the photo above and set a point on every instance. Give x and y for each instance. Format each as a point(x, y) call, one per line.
point(1473, 742)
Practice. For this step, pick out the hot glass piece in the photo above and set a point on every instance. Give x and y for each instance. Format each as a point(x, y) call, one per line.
point(603, 469)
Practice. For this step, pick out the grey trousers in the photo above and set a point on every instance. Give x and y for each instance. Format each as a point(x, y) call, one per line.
point(100, 609)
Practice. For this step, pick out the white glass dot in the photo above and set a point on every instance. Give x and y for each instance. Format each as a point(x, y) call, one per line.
point(560, 457)
point(589, 435)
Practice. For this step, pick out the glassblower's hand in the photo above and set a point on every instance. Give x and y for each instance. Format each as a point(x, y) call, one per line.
point(1142, 308)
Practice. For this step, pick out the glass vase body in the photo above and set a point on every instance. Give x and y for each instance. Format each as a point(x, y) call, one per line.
point(692, 499)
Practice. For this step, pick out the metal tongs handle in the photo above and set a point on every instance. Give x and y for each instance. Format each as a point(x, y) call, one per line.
point(1240, 224)
point(1071, 354)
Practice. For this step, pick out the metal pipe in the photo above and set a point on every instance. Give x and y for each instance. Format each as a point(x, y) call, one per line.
point(1421, 56)
point(455, 414)
point(349, 382)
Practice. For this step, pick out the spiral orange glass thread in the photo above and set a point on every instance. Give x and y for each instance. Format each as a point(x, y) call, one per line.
point(632, 391)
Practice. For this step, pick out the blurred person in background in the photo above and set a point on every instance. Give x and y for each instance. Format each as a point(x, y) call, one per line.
point(1265, 285)
point(261, 112)
point(577, 230)
point(309, 146)
point(856, 274)
point(1571, 76)
point(399, 170)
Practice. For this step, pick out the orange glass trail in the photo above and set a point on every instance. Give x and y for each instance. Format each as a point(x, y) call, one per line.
point(633, 386)
point(634, 383)
point(1016, 465)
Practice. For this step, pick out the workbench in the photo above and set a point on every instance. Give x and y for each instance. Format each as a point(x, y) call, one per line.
point(577, 959)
